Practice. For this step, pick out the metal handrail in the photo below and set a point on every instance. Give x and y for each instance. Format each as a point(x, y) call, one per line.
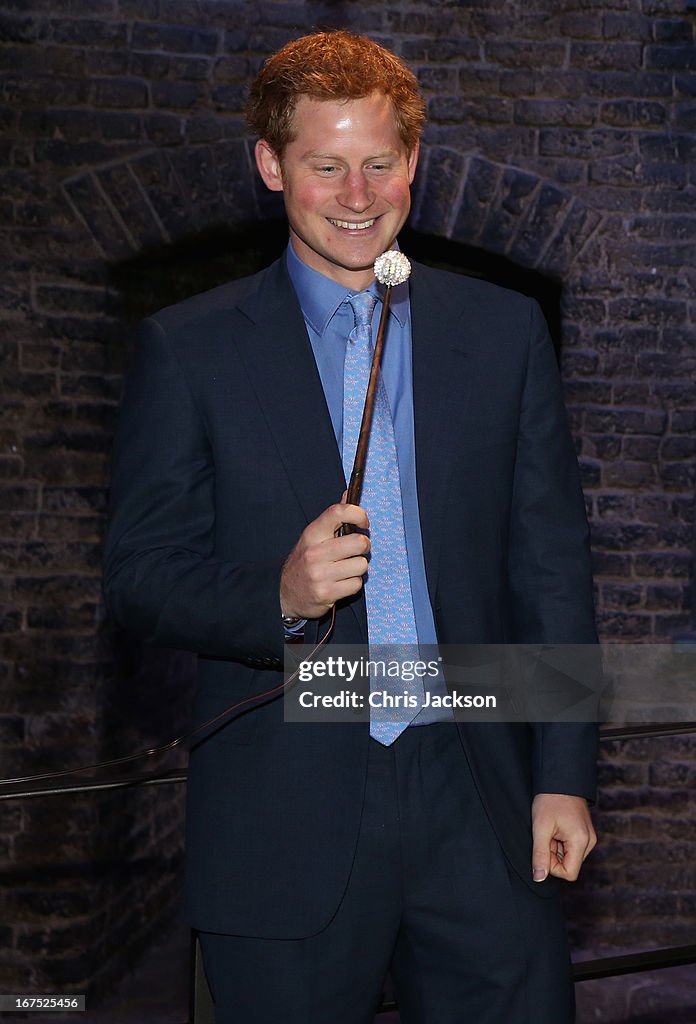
point(178, 775)
point(633, 963)
point(639, 732)
point(120, 782)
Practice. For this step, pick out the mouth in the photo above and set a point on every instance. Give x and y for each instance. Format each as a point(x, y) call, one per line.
point(350, 226)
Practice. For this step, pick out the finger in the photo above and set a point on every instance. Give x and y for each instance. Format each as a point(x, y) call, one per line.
point(568, 855)
point(352, 569)
point(566, 862)
point(346, 588)
point(355, 515)
point(332, 562)
point(324, 557)
point(344, 549)
point(323, 580)
point(325, 589)
point(541, 854)
point(325, 525)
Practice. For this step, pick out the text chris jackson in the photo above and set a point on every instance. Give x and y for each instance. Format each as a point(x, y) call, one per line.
point(385, 699)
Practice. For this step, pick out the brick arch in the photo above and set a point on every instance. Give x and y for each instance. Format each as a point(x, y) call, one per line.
point(502, 209)
point(160, 195)
point(157, 196)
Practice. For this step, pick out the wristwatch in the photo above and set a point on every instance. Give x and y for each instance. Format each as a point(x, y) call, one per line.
point(293, 628)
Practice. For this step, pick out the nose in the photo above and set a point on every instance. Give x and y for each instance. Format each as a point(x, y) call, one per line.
point(357, 194)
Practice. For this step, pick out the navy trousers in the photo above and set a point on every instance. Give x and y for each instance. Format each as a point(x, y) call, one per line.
point(430, 899)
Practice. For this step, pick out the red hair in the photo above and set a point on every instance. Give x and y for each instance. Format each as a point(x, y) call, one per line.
point(331, 66)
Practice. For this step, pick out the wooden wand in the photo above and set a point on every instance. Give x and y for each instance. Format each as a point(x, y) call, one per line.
point(391, 268)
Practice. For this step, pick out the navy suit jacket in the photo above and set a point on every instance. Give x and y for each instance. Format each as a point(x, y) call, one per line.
point(225, 452)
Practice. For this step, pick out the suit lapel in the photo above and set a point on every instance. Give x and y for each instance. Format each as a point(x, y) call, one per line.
point(272, 343)
point(439, 355)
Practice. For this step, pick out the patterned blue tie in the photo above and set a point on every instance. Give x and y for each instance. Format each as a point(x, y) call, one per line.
point(390, 613)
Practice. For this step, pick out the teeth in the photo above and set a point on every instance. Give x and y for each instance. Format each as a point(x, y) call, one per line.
point(352, 227)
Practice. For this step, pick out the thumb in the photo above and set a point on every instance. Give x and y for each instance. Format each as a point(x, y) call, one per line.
point(541, 861)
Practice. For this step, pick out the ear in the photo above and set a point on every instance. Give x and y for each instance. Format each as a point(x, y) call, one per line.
point(269, 166)
point(413, 162)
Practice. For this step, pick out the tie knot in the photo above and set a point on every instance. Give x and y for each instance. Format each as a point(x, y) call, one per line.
point(363, 304)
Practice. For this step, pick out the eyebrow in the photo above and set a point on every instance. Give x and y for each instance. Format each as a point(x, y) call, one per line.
point(316, 155)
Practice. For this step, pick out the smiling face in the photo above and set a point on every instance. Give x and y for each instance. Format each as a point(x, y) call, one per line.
point(345, 179)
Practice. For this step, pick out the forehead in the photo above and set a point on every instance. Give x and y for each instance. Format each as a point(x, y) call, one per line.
point(321, 123)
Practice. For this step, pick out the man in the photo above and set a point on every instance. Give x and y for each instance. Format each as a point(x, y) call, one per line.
point(320, 857)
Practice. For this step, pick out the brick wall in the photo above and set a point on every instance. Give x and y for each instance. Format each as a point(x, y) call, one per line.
point(562, 139)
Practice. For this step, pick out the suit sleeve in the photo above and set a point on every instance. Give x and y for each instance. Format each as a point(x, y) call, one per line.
point(161, 578)
point(549, 559)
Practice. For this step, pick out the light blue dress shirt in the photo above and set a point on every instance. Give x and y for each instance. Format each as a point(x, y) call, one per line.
point(329, 319)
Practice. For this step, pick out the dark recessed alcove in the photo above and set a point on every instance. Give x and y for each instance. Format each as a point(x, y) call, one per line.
point(162, 275)
point(467, 259)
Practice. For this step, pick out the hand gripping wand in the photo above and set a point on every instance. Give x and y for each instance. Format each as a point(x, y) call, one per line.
point(391, 268)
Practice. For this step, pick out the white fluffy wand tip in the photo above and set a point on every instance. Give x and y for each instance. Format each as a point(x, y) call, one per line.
point(392, 268)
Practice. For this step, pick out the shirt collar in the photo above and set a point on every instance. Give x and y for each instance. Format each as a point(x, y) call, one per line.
point(320, 297)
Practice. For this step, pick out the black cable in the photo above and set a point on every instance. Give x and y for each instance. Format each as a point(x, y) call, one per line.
point(185, 737)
